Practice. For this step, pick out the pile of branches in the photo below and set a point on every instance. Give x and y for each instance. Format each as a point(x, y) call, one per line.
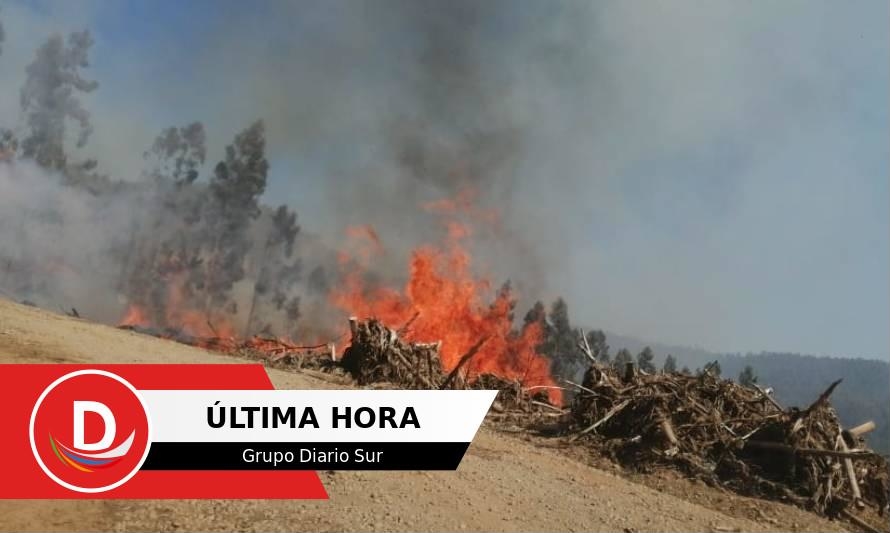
point(732, 436)
point(379, 355)
point(376, 354)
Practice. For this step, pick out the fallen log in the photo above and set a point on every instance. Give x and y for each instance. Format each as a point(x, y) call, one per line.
point(861, 429)
point(851, 472)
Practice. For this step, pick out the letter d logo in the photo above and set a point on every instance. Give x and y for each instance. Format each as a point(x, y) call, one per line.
point(82, 407)
point(90, 431)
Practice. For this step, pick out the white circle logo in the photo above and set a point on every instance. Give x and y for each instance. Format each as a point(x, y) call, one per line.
point(90, 431)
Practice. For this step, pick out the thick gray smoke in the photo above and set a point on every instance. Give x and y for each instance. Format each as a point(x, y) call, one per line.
point(405, 102)
point(58, 243)
point(641, 156)
point(180, 234)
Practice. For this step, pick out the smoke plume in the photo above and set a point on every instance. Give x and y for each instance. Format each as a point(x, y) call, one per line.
point(636, 160)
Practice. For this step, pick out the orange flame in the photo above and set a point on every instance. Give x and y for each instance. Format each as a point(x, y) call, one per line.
point(450, 306)
point(180, 315)
point(135, 316)
point(450, 303)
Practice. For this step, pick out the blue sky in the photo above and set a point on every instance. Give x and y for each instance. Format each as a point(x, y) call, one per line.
point(706, 173)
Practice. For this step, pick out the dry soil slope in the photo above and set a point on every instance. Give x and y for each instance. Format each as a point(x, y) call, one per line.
point(503, 484)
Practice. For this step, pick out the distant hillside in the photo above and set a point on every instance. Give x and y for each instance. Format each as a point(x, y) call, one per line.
point(798, 380)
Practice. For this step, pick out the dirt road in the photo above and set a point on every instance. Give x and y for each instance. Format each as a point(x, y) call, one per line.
point(505, 483)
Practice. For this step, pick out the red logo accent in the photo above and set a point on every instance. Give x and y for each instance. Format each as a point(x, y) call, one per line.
point(90, 431)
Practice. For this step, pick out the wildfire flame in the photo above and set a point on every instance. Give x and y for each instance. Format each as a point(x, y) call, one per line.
point(178, 314)
point(445, 302)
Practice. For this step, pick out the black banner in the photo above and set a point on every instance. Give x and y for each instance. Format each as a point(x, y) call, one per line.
point(305, 456)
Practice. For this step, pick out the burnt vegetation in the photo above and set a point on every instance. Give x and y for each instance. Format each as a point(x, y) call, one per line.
point(198, 237)
point(204, 260)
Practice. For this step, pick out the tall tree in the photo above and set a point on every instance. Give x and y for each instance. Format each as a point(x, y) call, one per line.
point(561, 342)
point(177, 153)
point(712, 368)
point(596, 339)
point(49, 99)
point(238, 182)
point(621, 359)
point(670, 365)
point(747, 377)
point(644, 360)
point(537, 314)
point(277, 274)
point(168, 240)
point(240, 179)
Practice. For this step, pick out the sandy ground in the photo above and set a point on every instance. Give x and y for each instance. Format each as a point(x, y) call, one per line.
point(505, 483)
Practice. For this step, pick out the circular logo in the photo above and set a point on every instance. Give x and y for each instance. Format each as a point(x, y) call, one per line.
point(90, 431)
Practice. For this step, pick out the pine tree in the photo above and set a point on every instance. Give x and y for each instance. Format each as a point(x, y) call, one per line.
point(713, 368)
point(644, 360)
point(670, 365)
point(621, 359)
point(537, 314)
point(561, 343)
point(747, 377)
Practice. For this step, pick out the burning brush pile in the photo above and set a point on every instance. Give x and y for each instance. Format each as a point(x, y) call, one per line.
point(732, 436)
point(378, 356)
point(456, 333)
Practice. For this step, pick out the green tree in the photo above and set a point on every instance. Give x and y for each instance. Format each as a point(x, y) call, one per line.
point(49, 99)
point(596, 339)
point(237, 183)
point(670, 365)
point(712, 368)
point(561, 342)
point(177, 153)
point(644, 360)
point(278, 275)
point(621, 359)
point(747, 377)
point(537, 314)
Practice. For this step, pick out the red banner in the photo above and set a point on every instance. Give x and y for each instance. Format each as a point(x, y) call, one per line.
point(38, 464)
